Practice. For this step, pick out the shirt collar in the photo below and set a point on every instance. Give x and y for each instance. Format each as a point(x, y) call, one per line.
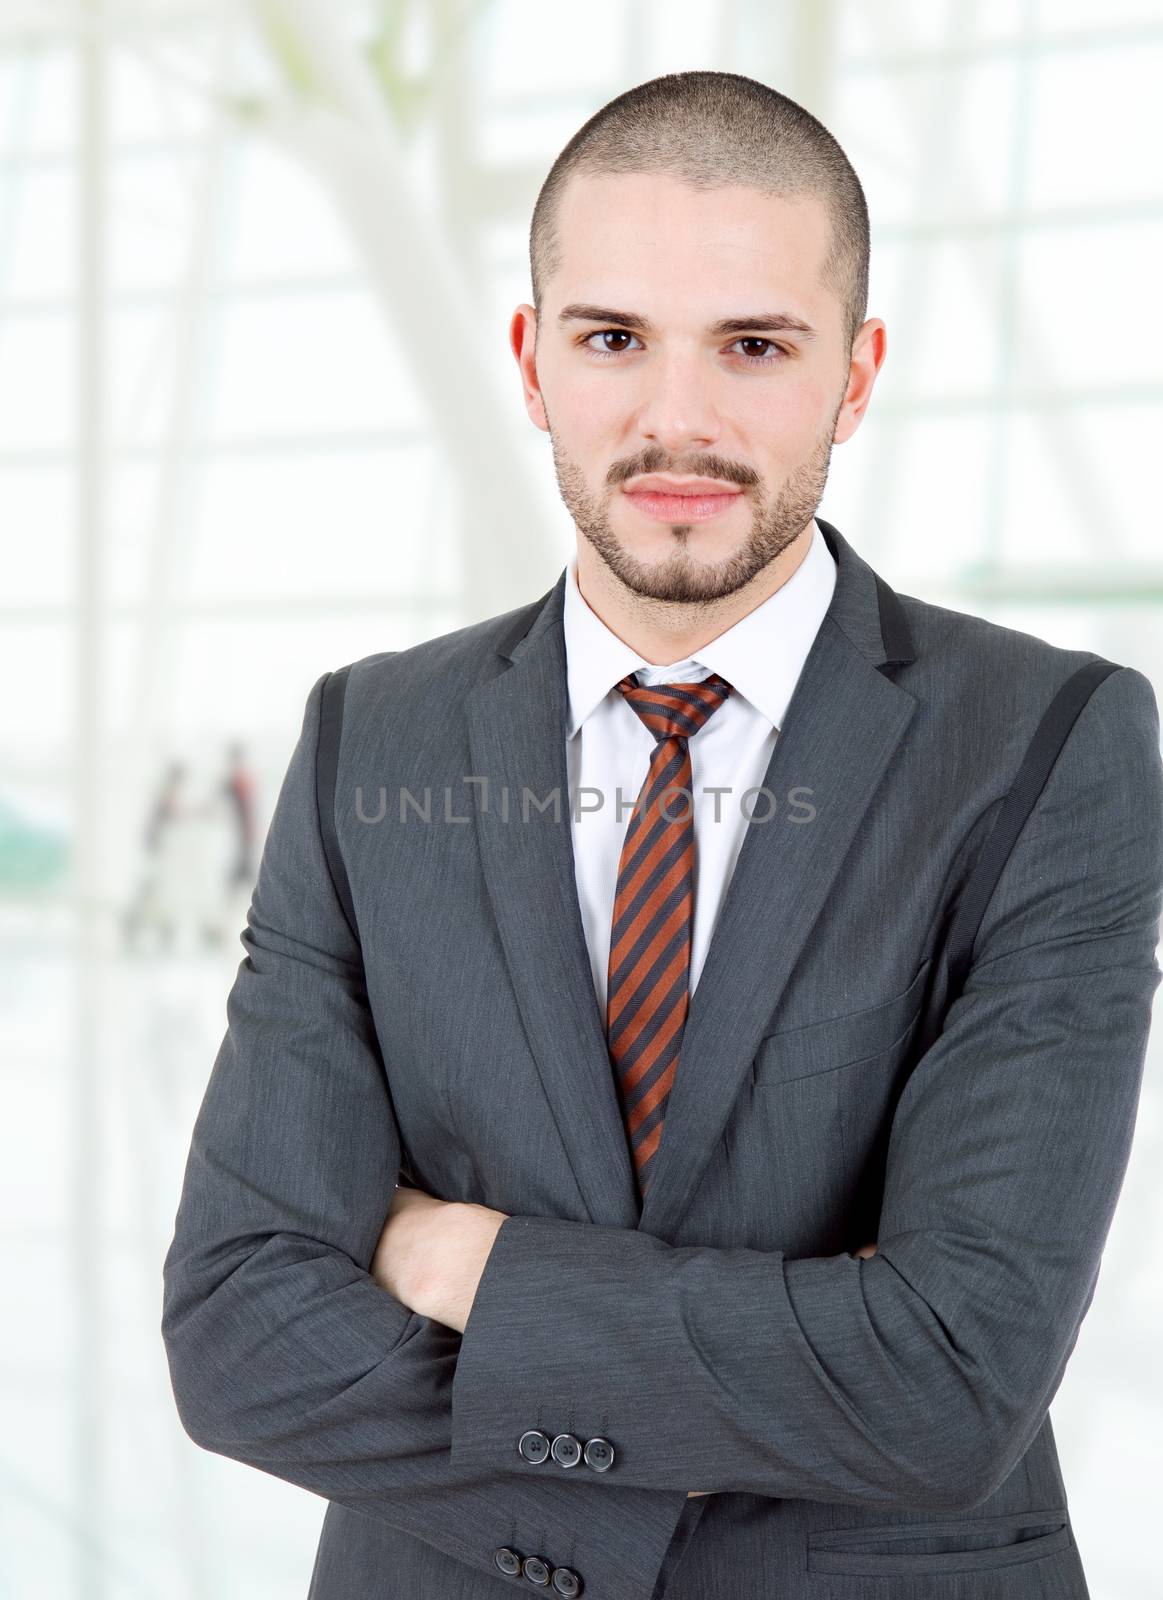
point(761, 656)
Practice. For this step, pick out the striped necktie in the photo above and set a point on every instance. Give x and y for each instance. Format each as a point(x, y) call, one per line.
point(650, 937)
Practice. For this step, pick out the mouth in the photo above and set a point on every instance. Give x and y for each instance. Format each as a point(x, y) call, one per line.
point(696, 506)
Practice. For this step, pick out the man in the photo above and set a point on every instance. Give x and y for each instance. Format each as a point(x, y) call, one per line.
point(612, 933)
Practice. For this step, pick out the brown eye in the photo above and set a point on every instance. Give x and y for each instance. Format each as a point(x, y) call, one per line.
point(606, 333)
point(779, 354)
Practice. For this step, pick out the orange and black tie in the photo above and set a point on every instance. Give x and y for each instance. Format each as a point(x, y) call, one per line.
point(650, 937)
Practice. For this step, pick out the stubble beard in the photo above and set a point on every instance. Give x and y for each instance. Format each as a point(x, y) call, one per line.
point(682, 578)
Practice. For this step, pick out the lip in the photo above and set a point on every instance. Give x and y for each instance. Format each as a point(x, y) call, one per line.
point(658, 484)
point(682, 507)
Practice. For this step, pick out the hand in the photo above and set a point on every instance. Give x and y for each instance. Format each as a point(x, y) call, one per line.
point(697, 1494)
point(865, 1250)
point(401, 1250)
point(432, 1253)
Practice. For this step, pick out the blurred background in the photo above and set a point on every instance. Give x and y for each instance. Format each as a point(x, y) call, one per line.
point(258, 417)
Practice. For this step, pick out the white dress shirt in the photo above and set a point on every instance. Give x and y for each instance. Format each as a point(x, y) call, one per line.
point(608, 746)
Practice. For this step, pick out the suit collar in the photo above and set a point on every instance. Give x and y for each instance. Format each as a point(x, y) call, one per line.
point(863, 606)
point(844, 723)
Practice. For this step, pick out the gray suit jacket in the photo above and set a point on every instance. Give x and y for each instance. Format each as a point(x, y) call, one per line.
point(871, 1428)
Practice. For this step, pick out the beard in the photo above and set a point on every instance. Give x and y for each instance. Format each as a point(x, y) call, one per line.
point(680, 577)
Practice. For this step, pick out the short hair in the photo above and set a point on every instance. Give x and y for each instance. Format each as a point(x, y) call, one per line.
point(711, 129)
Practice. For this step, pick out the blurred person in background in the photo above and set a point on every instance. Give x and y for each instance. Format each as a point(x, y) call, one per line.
point(239, 788)
point(154, 913)
point(230, 848)
point(198, 859)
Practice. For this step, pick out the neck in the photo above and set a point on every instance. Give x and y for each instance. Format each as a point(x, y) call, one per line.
point(664, 631)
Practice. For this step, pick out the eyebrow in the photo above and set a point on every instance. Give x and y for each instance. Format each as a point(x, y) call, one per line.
point(764, 322)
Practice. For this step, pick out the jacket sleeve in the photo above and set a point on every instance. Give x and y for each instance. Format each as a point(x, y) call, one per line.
point(284, 1353)
point(919, 1376)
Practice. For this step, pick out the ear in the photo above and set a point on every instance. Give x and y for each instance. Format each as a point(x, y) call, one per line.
point(523, 343)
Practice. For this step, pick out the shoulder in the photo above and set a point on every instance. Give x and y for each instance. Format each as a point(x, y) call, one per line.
point(431, 678)
point(998, 676)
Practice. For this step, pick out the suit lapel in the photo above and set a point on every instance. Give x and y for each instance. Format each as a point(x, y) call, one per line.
point(845, 720)
point(517, 736)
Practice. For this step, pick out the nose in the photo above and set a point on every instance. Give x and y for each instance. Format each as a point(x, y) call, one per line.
point(678, 411)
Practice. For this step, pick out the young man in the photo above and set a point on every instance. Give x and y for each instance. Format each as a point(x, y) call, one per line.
point(716, 1268)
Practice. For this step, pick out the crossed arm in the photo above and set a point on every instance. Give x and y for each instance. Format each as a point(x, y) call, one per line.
point(432, 1254)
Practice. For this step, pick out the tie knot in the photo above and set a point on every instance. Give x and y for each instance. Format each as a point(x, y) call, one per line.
point(675, 710)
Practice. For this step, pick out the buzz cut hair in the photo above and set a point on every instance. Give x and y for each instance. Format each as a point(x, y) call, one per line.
point(712, 130)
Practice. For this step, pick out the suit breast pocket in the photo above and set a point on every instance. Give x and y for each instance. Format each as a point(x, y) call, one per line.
point(788, 1053)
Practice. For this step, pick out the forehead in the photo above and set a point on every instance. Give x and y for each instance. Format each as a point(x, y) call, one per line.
point(627, 236)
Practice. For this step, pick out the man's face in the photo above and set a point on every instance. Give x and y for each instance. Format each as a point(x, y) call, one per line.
point(753, 408)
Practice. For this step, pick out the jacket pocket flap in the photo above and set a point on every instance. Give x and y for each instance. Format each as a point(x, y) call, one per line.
point(838, 1041)
point(971, 1544)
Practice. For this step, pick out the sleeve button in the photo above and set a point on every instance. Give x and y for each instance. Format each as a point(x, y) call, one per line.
point(534, 1445)
point(536, 1571)
point(566, 1450)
